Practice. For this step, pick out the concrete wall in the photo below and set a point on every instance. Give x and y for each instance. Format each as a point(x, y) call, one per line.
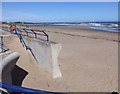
point(6, 66)
point(0, 44)
point(46, 54)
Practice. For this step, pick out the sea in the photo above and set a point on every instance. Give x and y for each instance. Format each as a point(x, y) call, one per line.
point(106, 26)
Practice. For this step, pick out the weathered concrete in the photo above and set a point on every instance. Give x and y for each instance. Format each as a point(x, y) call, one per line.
point(46, 54)
point(0, 43)
point(7, 64)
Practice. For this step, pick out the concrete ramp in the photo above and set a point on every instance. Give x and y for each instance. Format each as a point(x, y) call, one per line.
point(46, 54)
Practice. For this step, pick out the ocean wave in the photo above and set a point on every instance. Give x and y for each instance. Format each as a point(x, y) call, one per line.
point(112, 27)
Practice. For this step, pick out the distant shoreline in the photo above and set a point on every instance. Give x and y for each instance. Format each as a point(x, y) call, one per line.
point(61, 26)
point(111, 26)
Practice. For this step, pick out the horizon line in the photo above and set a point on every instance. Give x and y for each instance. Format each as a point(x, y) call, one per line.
point(55, 21)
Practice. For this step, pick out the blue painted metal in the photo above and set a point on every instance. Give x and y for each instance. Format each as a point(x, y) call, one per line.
point(19, 89)
point(6, 28)
point(36, 33)
point(19, 31)
point(25, 45)
point(25, 90)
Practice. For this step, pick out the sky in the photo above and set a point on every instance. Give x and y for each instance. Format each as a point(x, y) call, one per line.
point(59, 11)
point(60, 0)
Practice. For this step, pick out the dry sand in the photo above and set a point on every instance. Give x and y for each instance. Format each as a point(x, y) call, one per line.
point(88, 61)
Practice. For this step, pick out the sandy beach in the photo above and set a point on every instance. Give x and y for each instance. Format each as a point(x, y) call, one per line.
point(88, 60)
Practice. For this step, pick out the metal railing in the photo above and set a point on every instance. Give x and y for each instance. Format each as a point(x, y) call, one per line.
point(24, 90)
point(19, 89)
point(5, 28)
point(19, 32)
point(2, 46)
point(35, 33)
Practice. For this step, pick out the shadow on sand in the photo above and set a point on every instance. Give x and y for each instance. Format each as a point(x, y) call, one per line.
point(15, 77)
point(18, 75)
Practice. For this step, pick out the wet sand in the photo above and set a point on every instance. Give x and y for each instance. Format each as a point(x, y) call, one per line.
point(88, 61)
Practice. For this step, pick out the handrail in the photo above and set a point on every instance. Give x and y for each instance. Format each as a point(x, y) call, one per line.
point(23, 42)
point(3, 50)
point(25, 90)
point(2, 44)
point(18, 32)
point(34, 31)
point(5, 28)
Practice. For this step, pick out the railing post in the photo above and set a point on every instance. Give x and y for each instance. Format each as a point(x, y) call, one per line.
point(20, 38)
point(1, 40)
point(36, 35)
point(10, 29)
point(27, 34)
point(15, 29)
point(47, 37)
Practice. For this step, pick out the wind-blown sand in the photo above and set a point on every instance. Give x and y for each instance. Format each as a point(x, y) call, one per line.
point(88, 61)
